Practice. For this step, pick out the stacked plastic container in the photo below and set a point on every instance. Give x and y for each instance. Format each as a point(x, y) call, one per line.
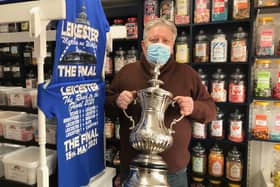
point(21, 165)
point(20, 127)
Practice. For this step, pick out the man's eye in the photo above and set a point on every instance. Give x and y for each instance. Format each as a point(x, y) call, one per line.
point(154, 40)
point(166, 41)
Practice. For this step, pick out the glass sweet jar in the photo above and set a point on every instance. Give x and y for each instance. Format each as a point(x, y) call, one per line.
point(218, 86)
point(218, 47)
point(237, 88)
point(217, 129)
point(201, 47)
point(199, 160)
point(236, 131)
point(261, 118)
point(216, 162)
point(234, 165)
point(263, 78)
point(239, 46)
point(265, 36)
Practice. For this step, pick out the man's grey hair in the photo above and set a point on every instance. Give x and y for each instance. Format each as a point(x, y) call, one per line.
point(160, 21)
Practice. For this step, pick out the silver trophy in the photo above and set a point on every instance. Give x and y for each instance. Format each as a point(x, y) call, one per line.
point(150, 136)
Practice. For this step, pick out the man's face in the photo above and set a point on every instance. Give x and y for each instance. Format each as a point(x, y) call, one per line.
point(158, 34)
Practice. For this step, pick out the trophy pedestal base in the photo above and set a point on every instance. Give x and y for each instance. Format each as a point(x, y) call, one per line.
point(147, 170)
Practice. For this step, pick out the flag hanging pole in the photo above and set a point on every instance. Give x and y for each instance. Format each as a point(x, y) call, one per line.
point(38, 13)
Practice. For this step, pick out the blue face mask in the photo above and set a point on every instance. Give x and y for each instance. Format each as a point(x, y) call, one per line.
point(158, 53)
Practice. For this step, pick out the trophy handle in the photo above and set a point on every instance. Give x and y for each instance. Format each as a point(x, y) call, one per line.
point(130, 118)
point(174, 120)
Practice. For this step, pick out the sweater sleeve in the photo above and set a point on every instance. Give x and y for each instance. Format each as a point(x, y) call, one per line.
point(204, 106)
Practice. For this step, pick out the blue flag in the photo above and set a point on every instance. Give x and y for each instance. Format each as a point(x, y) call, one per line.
point(76, 93)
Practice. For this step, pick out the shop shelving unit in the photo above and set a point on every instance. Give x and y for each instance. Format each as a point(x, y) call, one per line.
point(38, 14)
point(260, 151)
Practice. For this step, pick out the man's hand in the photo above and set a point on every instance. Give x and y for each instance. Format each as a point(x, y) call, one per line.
point(125, 98)
point(185, 103)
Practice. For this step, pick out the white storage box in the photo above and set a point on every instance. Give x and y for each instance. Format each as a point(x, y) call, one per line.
point(21, 165)
point(4, 149)
point(19, 127)
point(50, 131)
point(118, 31)
point(5, 115)
point(22, 97)
point(4, 93)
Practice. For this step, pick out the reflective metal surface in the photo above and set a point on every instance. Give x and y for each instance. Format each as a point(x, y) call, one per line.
point(151, 137)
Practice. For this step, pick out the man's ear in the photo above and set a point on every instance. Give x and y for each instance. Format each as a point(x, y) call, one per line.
point(143, 46)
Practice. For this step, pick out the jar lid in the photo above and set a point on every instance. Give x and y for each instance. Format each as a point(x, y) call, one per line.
point(219, 113)
point(198, 148)
point(237, 74)
point(182, 37)
point(263, 103)
point(236, 115)
point(240, 33)
point(201, 36)
point(233, 185)
point(216, 149)
point(129, 52)
point(234, 153)
point(132, 19)
point(219, 74)
point(263, 61)
point(264, 19)
point(118, 21)
point(215, 181)
point(277, 147)
point(198, 179)
point(202, 75)
point(219, 33)
point(276, 103)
